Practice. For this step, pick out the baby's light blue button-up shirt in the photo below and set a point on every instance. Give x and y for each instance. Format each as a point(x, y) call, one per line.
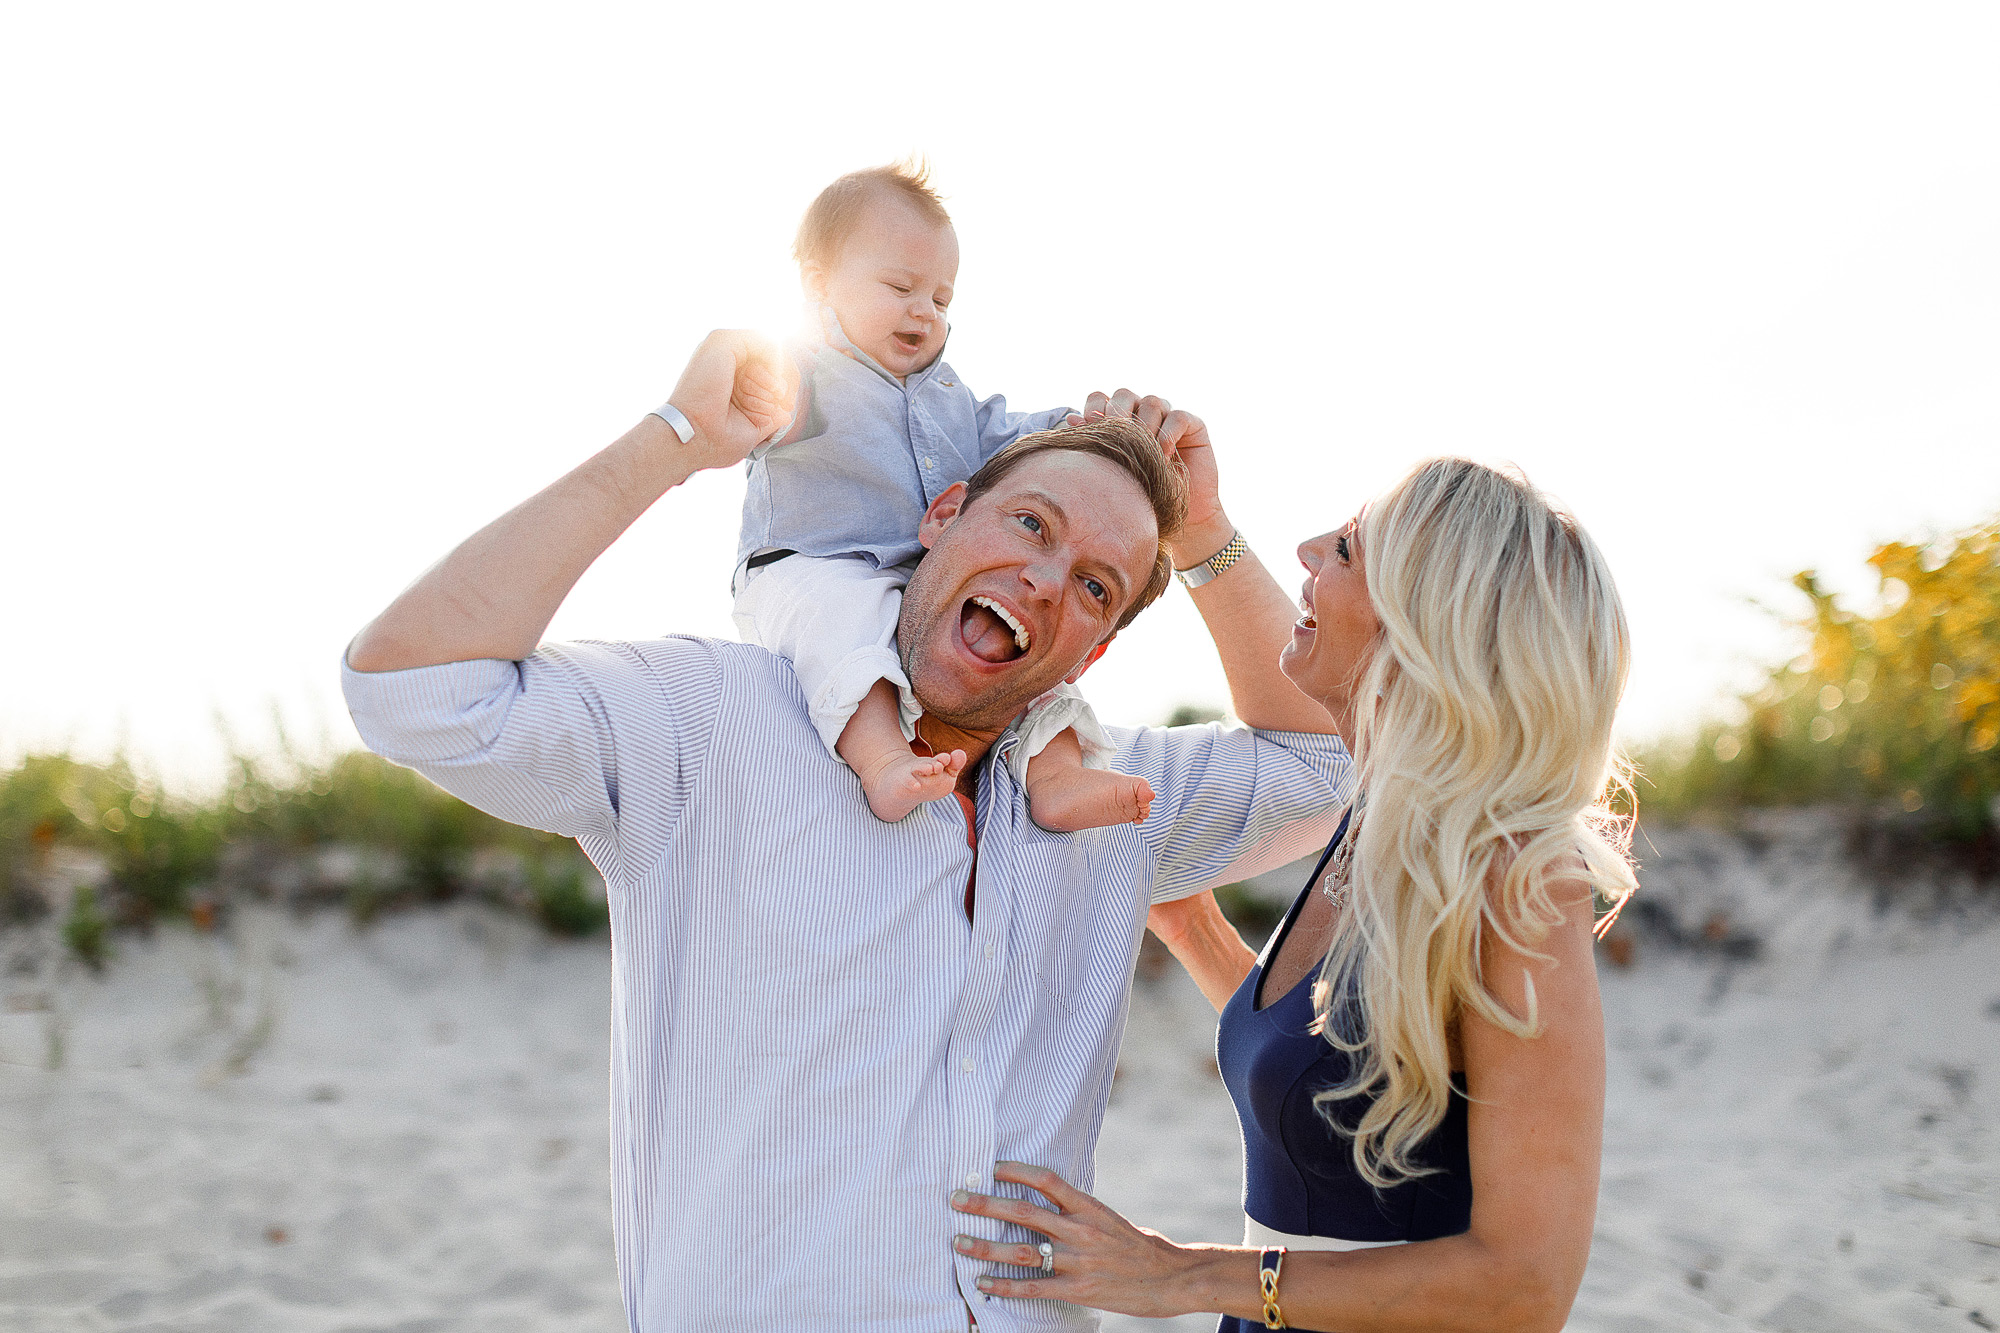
point(871, 454)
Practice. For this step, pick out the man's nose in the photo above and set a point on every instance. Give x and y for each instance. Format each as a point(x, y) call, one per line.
point(1044, 576)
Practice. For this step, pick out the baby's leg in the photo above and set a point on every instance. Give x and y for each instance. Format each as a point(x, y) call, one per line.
point(1064, 796)
point(896, 779)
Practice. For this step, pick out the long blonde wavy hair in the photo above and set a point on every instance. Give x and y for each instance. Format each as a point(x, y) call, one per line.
point(1483, 749)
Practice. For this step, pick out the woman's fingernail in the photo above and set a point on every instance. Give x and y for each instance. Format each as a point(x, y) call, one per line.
point(964, 1243)
point(959, 1198)
point(983, 1283)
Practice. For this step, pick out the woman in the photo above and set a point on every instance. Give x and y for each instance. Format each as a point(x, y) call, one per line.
point(1418, 1057)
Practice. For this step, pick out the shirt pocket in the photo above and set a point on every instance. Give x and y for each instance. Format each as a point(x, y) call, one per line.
point(1054, 913)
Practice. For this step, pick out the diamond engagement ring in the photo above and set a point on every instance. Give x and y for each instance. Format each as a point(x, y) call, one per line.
point(1048, 1258)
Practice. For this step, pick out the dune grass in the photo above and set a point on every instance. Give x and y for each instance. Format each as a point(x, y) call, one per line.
point(110, 849)
point(1892, 712)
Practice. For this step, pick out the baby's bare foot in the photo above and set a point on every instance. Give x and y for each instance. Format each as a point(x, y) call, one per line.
point(898, 783)
point(1081, 798)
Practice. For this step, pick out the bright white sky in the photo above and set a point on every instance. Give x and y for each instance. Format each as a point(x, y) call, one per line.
point(293, 297)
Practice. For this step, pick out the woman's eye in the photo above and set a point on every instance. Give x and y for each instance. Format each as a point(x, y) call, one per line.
point(1340, 547)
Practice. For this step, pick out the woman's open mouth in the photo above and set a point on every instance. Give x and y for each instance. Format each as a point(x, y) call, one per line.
point(990, 632)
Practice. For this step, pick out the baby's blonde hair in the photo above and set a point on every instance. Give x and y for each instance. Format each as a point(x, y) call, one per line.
point(838, 210)
point(1484, 754)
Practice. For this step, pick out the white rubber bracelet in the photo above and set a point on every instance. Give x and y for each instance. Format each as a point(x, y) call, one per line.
point(676, 418)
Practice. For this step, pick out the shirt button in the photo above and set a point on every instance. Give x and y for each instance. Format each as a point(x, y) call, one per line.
point(967, 1064)
point(930, 462)
point(989, 948)
point(972, 1180)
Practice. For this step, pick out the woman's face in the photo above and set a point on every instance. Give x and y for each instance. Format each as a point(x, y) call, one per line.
point(1335, 634)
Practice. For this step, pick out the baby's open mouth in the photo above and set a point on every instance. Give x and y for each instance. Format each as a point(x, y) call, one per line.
point(911, 341)
point(990, 631)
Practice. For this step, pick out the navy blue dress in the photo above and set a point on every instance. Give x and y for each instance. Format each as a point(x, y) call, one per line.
point(1298, 1174)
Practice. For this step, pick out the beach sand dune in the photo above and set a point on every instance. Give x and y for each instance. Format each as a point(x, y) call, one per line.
point(297, 1125)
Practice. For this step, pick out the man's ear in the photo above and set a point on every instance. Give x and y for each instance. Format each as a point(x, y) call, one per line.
point(1089, 657)
point(943, 512)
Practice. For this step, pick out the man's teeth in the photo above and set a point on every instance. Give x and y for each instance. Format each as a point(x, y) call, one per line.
point(1020, 634)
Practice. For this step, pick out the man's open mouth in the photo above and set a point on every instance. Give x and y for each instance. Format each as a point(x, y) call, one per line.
point(990, 632)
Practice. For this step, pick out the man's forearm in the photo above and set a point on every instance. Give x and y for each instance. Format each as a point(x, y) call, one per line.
point(1250, 618)
point(493, 596)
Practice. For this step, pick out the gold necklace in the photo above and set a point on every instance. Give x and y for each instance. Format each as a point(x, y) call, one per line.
point(1335, 881)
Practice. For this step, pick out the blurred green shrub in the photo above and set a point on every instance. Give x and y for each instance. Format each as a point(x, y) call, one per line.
point(1895, 713)
point(87, 931)
point(561, 900)
point(162, 856)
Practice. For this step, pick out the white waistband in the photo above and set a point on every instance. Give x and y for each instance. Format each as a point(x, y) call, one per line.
point(1258, 1236)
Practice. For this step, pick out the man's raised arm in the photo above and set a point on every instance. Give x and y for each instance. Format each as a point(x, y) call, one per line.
point(493, 596)
point(1248, 615)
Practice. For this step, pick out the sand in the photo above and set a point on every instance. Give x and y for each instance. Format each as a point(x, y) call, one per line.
point(297, 1125)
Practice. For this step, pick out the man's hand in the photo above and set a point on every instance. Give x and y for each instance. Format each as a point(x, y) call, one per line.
point(738, 391)
point(1183, 437)
point(493, 597)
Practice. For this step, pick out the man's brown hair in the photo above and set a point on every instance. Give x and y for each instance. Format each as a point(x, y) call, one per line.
point(1124, 442)
point(841, 206)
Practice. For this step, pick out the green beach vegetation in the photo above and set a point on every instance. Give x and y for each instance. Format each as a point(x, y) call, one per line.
point(1891, 713)
point(110, 850)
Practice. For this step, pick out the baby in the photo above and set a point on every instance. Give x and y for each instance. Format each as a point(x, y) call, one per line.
point(882, 427)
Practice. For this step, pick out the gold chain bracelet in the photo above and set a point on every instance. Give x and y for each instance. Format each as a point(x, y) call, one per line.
point(1269, 1265)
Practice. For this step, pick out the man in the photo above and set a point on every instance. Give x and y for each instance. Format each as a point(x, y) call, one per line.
point(823, 1023)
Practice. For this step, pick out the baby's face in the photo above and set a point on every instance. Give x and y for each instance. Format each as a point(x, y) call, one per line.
point(891, 285)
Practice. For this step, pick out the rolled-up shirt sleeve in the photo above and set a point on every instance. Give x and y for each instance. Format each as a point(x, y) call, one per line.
point(537, 742)
point(1231, 803)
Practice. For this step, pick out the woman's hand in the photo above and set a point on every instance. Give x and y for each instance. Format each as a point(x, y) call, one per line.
point(1101, 1260)
point(1183, 437)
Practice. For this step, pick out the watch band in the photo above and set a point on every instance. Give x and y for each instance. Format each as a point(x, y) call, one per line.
point(1269, 1265)
point(1235, 550)
point(676, 418)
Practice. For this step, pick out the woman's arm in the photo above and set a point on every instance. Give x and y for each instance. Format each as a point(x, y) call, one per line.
point(1536, 1131)
point(1247, 614)
point(1197, 934)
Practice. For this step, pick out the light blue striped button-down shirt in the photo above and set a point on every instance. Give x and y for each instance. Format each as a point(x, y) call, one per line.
point(871, 454)
point(811, 1043)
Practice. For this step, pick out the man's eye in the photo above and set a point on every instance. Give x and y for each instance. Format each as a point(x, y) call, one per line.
point(1030, 522)
point(1097, 590)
